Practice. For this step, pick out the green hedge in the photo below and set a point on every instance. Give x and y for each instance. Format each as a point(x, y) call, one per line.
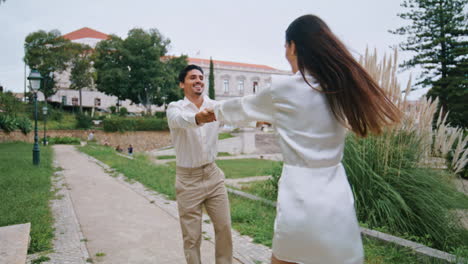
point(122, 124)
point(63, 140)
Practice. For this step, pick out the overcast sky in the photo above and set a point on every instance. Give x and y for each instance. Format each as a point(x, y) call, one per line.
point(250, 31)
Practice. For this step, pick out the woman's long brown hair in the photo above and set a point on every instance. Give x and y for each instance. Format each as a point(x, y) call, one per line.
point(354, 97)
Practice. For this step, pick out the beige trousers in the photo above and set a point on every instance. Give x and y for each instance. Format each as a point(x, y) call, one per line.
point(203, 186)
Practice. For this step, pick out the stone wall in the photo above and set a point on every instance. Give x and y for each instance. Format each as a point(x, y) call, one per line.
point(141, 140)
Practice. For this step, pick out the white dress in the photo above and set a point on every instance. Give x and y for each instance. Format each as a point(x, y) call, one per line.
point(316, 221)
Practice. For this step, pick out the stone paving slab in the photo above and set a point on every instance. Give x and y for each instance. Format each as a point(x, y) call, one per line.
point(14, 242)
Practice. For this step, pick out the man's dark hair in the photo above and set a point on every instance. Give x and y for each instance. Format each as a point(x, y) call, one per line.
point(183, 73)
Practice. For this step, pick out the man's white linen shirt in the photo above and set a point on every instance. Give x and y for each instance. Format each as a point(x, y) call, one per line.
point(195, 145)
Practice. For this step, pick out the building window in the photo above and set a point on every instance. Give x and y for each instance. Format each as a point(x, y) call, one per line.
point(240, 86)
point(75, 101)
point(64, 100)
point(226, 86)
point(255, 87)
point(97, 101)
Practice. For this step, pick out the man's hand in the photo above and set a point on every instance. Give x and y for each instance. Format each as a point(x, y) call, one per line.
point(205, 116)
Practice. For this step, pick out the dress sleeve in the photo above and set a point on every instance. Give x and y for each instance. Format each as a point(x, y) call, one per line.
point(178, 118)
point(249, 108)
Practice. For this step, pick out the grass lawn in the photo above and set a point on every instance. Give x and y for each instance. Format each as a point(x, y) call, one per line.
point(25, 191)
point(164, 157)
point(157, 177)
point(241, 168)
point(224, 135)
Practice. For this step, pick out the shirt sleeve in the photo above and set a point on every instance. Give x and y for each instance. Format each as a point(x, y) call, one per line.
point(249, 108)
point(178, 118)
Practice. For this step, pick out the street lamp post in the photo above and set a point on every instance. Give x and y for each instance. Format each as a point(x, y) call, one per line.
point(44, 112)
point(35, 79)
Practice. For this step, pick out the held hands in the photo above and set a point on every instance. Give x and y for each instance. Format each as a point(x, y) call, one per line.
point(205, 116)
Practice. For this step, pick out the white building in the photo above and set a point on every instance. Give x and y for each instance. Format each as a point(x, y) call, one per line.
point(232, 79)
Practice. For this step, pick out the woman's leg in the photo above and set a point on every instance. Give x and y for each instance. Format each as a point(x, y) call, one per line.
point(277, 261)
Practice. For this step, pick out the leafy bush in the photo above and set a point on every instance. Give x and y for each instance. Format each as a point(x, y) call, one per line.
point(8, 123)
point(64, 140)
point(151, 124)
point(83, 121)
point(122, 124)
point(53, 114)
point(123, 111)
point(112, 109)
point(160, 115)
point(9, 104)
point(24, 124)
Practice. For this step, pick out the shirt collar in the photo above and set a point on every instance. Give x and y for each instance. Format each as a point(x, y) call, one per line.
point(187, 102)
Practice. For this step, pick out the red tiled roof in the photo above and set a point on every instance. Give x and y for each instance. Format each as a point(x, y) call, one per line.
point(229, 63)
point(85, 32)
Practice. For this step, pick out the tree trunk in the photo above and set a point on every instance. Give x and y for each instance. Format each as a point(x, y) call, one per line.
point(81, 103)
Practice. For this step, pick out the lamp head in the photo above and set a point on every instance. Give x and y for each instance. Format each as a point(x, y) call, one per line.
point(35, 79)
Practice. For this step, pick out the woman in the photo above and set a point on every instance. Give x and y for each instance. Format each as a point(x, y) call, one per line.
point(311, 111)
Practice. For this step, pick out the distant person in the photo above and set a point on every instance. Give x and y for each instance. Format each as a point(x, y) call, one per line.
point(329, 93)
point(199, 181)
point(118, 148)
point(130, 150)
point(91, 136)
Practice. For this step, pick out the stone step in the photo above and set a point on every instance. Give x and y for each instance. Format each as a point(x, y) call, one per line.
point(14, 243)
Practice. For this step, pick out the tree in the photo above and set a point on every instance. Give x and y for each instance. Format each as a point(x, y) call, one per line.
point(137, 68)
point(48, 52)
point(81, 74)
point(211, 88)
point(169, 90)
point(437, 35)
point(112, 74)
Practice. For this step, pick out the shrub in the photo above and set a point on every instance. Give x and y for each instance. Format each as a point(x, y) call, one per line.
point(10, 104)
point(64, 140)
point(24, 124)
point(83, 121)
point(112, 109)
point(160, 115)
point(8, 123)
point(122, 124)
point(53, 114)
point(123, 111)
point(151, 124)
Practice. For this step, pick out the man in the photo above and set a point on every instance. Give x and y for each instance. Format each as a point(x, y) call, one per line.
point(199, 181)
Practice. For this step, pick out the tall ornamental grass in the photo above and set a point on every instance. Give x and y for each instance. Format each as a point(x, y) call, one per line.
point(394, 187)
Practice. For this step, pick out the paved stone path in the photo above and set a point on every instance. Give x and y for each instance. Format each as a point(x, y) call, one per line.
point(69, 243)
point(129, 223)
